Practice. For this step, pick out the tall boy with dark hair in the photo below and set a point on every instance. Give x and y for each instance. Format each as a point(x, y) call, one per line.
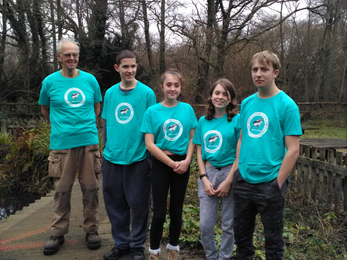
point(125, 168)
point(267, 151)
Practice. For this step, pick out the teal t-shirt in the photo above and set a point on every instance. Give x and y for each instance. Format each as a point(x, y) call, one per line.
point(218, 139)
point(123, 112)
point(71, 109)
point(170, 126)
point(264, 124)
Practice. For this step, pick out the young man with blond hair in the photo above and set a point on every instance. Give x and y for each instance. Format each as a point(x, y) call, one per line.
point(266, 153)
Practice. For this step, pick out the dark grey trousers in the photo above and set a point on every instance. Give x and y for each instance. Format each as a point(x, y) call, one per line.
point(126, 190)
point(267, 199)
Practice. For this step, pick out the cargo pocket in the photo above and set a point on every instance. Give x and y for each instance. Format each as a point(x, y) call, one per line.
point(97, 163)
point(54, 167)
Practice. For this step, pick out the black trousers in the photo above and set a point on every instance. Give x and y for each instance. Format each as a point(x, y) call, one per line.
point(163, 178)
point(267, 199)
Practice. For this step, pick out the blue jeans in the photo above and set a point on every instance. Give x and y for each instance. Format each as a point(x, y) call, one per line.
point(209, 214)
point(267, 199)
point(126, 190)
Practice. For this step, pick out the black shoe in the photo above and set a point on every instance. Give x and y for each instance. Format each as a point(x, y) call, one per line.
point(116, 253)
point(138, 255)
point(93, 240)
point(53, 244)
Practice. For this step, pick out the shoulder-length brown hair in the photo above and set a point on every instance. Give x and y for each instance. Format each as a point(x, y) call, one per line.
point(231, 108)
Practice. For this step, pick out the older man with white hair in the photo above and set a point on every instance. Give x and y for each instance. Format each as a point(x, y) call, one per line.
point(70, 101)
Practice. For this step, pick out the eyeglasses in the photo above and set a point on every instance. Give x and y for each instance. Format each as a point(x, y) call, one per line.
point(68, 55)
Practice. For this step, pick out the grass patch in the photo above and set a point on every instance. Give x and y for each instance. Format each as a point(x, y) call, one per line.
point(331, 124)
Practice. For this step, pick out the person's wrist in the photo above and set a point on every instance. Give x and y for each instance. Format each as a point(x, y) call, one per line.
point(203, 176)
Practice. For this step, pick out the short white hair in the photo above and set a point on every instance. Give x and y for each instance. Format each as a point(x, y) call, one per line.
point(62, 40)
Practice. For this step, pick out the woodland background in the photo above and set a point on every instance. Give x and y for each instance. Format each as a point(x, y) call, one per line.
point(204, 40)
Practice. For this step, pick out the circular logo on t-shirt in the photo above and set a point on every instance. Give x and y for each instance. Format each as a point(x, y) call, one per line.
point(213, 141)
point(74, 97)
point(124, 113)
point(172, 129)
point(257, 124)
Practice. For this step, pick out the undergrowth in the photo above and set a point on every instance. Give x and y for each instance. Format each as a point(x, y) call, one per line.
point(26, 163)
point(309, 232)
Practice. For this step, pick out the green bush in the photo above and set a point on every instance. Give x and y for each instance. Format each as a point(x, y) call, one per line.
point(26, 164)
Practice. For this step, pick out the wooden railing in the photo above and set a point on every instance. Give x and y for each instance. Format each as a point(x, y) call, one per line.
point(24, 109)
point(16, 126)
point(306, 107)
point(320, 177)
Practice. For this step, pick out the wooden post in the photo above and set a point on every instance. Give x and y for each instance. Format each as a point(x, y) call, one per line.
point(314, 154)
point(293, 177)
point(299, 179)
point(4, 128)
point(344, 190)
point(320, 185)
point(313, 182)
point(301, 150)
point(339, 157)
point(338, 193)
point(322, 155)
point(306, 177)
point(331, 156)
point(306, 151)
point(330, 188)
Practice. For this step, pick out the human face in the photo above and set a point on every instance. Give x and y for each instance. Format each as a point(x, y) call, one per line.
point(263, 75)
point(127, 69)
point(68, 56)
point(220, 97)
point(171, 87)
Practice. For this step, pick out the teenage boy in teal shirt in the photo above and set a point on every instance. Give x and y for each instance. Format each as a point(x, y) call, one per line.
point(125, 167)
point(266, 153)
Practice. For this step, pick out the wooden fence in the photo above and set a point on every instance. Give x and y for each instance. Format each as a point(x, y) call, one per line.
point(23, 109)
point(320, 177)
point(14, 126)
point(306, 107)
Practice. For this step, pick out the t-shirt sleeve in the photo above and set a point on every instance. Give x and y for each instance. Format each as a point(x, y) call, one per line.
point(151, 99)
point(44, 99)
point(237, 126)
point(97, 96)
point(104, 108)
point(146, 126)
point(194, 122)
point(239, 123)
point(291, 123)
point(197, 134)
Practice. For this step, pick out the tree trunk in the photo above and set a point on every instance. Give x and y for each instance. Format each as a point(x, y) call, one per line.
point(55, 60)
point(3, 39)
point(60, 21)
point(162, 39)
point(148, 39)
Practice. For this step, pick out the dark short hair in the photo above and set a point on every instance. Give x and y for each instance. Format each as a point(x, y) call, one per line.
point(124, 54)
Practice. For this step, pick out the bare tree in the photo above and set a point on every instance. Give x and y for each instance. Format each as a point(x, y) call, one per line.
point(148, 38)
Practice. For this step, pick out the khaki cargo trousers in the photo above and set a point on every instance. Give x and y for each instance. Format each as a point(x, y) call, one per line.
point(63, 166)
